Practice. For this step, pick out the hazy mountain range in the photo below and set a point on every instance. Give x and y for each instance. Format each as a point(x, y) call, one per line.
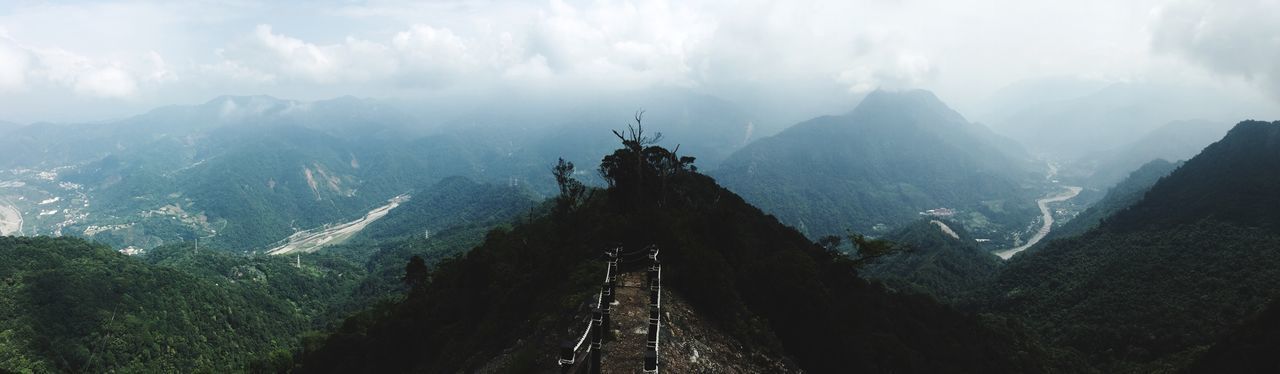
point(1177, 256)
point(1070, 120)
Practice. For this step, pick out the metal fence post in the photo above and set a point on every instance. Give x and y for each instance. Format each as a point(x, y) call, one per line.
point(596, 340)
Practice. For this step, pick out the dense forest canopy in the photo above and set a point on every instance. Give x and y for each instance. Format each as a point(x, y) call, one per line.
point(1161, 280)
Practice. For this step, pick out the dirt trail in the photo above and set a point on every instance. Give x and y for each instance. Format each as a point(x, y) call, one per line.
point(688, 343)
point(630, 315)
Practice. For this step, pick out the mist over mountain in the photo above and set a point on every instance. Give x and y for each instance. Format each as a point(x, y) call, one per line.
point(896, 155)
point(1114, 116)
point(6, 127)
point(1175, 141)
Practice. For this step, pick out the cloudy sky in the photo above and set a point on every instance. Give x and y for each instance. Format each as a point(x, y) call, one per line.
point(84, 61)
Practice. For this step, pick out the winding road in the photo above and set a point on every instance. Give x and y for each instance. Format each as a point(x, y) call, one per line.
point(1047, 216)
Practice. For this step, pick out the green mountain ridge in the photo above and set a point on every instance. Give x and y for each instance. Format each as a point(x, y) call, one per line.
point(897, 154)
point(764, 283)
point(247, 171)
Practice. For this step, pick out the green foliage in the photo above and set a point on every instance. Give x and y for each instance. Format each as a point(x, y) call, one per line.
point(452, 202)
point(639, 173)
point(416, 273)
point(868, 249)
point(1131, 299)
point(1249, 348)
point(935, 263)
point(1155, 284)
point(572, 191)
point(72, 306)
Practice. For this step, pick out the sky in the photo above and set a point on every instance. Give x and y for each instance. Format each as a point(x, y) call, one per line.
point(76, 61)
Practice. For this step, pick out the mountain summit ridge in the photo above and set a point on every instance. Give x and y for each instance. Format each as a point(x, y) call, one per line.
point(923, 102)
point(895, 155)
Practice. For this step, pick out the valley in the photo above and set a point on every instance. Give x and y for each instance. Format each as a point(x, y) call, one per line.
point(866, 186)
point(1046, 217)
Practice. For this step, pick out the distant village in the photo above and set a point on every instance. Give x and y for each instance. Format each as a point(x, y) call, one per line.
point(939, 212)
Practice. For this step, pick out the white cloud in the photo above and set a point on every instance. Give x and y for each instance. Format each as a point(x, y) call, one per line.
point(14, 62)
point(24, 66)
point(903, 70)
point(109, 81)
point(621, 45)
point(767, 52)
point(1239, 38)
point(159, 70)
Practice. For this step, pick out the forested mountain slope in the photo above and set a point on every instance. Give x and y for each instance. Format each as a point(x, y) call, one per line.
point(940, 259)
point(895, 155)
point(67, 305)
point(1160, 281)
point(452, 202)
point(1249, 348)
point(1118, 197)
point(516, 295)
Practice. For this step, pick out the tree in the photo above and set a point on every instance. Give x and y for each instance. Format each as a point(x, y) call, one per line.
point(572, 191)
point(642, 170)
point(416, 272)
point(870, 249)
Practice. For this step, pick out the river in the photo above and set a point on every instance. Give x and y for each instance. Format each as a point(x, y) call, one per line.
point(1047, 215)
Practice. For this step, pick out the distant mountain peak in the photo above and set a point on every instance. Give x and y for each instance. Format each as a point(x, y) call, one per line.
point(914, 102)
point(1252, 129)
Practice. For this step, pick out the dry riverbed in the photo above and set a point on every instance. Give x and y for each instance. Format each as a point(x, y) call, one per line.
point(312, 240)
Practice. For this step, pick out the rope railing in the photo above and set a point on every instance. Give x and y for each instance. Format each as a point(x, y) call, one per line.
point(655, 312)
point(598, 324)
